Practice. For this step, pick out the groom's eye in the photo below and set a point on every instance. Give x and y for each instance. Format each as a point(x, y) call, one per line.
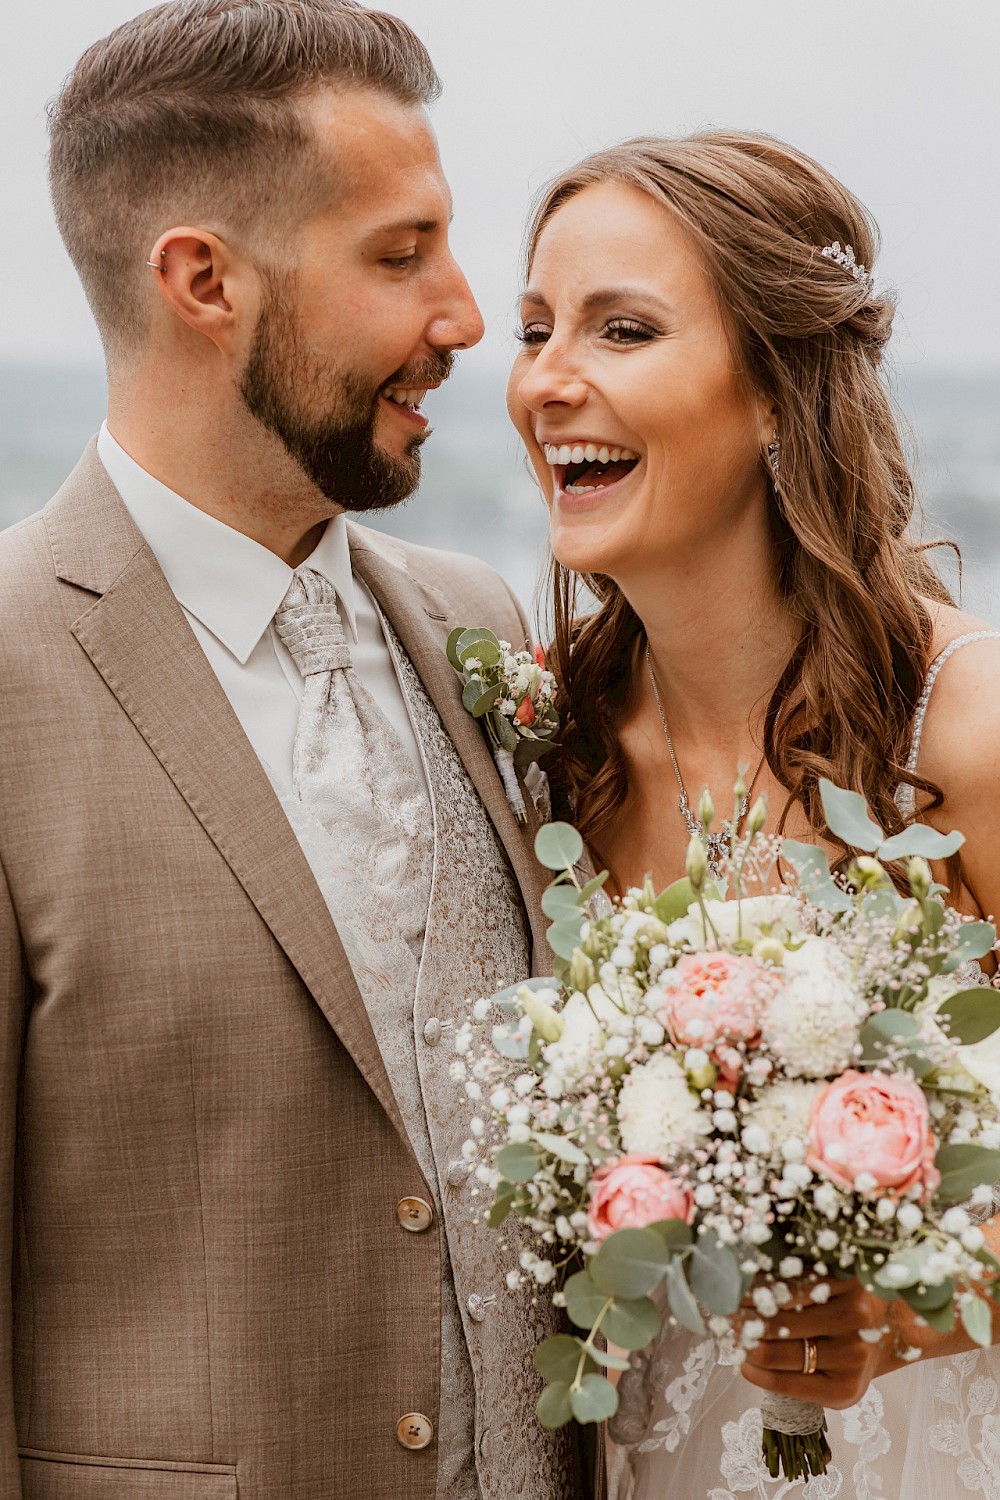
point(533, 333)
point(399, 262)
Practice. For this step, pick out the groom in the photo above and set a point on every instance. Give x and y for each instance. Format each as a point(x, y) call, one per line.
point(255, 853)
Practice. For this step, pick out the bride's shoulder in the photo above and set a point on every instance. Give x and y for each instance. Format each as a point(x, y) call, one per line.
point(960, 742)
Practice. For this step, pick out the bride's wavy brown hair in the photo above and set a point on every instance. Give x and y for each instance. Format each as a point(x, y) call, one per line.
point(810, 337)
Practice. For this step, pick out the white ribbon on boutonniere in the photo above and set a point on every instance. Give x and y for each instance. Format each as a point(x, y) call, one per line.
point(512, 694)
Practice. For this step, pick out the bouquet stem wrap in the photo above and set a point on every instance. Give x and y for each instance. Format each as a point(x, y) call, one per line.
point(508, 775)
point(794, 1439)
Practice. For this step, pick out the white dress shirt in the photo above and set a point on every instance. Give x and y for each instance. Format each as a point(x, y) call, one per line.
point(230, 588)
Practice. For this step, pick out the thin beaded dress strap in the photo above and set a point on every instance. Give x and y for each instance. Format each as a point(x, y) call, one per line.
point(905, 795)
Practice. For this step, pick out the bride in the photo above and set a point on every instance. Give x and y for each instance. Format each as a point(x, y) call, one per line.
point(698, 390)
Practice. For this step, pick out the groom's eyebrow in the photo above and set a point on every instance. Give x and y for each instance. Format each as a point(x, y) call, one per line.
point(412, 226)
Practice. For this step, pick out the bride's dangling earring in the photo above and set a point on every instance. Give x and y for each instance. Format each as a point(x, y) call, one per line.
point(774, 456)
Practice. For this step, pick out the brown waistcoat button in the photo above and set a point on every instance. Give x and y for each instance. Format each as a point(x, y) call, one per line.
point(414, 1214)
point(414, 1430)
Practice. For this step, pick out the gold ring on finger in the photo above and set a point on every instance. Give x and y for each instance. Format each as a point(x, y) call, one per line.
point(810, 1356)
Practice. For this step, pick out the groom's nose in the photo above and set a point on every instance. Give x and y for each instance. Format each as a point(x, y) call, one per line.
point(457, 322)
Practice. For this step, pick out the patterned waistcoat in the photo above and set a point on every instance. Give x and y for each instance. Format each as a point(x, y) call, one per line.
point(476, 942)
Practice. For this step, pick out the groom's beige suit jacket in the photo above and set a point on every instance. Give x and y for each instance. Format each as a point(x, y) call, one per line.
point(202, 1156)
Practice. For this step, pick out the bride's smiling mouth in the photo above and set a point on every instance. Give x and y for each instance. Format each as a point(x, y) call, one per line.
point(585, 472)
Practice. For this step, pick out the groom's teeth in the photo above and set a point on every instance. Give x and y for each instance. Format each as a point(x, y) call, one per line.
point(404, 395)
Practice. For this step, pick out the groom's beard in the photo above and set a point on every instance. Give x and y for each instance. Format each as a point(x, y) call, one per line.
point(284, 383)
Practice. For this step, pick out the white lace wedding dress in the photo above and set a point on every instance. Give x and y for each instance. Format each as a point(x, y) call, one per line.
point(689, 1426)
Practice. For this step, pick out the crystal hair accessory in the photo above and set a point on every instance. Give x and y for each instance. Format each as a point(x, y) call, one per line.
point(844, 256)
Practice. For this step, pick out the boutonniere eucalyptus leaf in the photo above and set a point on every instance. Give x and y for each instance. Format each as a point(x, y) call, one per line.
point(512, 694)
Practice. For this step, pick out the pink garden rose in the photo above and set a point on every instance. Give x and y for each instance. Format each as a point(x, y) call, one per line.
point(874, 1123)
point(634, 1191)
point(714, 1000)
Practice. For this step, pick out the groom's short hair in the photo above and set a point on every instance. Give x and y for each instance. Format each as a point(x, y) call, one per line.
point(191, 113)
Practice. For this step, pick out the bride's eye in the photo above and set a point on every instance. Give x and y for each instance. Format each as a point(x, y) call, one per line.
point(532, 333)
point(628, 331)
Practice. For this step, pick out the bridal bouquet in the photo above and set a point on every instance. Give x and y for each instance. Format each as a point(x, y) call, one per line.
point(723, 1091)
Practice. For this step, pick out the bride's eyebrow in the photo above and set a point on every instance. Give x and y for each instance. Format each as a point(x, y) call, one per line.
point(604, 297)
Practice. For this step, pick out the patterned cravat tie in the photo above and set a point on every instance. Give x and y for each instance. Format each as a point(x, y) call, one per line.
point(351, 772)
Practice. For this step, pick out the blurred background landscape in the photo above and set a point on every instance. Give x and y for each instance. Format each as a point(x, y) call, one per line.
point(476, 495)
point(899, 99)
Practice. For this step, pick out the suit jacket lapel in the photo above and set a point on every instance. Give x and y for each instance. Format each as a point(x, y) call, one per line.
point(137, 638)
point(422, 619)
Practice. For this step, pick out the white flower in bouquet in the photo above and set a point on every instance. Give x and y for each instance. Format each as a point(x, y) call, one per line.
point(779, 1115)
point(658, 1115)
point(814, 1017)
point(978, 1063)
point(587, 1022)
point(751, 918)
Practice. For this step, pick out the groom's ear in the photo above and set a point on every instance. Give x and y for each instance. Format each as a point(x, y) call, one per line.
point(202, 282)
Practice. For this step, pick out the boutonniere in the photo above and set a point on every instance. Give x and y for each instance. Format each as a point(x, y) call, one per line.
point(512, 694)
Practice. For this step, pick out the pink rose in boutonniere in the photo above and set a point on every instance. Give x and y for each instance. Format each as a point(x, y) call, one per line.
point(512, 694)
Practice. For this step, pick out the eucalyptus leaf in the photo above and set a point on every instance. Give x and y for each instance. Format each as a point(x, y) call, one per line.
point(558, 1359)
point(484, 702)
point(610, 1361)
point(564, 937)
point(507, 999)
point(510, 1042)
point(472, 692)
point(630, 1263)
point(672, 904)
point(631, 1322)
point(518, 1161)
point(560, 901)
point(485, 651)
point(585, 1302)
point(564, 1149)
point(971, 1015)
point(977, 1321)
point(886, 1031)
point(595, 1400)
point(474, 637)
point(506, 733)
point(558, 846)
point(923, 840)
point(674, 1232)
point(963, 1168)
point(553, 1407)
point(682, 1304)
point(530, 750)
point(931, 1298)
point(452, 647)
point(813, 869)
point(975, 939)
point(847, 816)
point(941, 1319)
point(502, 1204)
point(715, 1275)
point(910, 1262)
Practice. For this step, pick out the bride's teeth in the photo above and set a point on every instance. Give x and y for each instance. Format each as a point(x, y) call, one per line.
point(615, 455)
point(628, 456)
point(576, 457)
point(563, 456)
point(590, 453)
point(603, 455)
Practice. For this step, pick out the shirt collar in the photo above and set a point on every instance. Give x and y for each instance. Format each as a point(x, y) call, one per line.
point(229, 582)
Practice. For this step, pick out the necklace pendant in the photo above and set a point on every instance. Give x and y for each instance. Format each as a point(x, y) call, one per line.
point(716, 850)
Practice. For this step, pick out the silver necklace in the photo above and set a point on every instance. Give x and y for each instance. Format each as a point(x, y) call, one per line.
point(716, 844)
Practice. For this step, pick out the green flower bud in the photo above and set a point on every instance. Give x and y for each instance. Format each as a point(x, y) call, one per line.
point(547, 1022)
point(696, 863)
point(706, 810)
point(757, 816)
point(740, 789)
point(867, 874)
point(919, 872)
point(582, 973)
point(769, 950)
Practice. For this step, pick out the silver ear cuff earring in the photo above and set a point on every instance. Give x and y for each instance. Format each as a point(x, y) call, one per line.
point(160, 265)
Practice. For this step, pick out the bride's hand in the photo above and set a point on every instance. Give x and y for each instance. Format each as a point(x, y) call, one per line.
point(845, 1362)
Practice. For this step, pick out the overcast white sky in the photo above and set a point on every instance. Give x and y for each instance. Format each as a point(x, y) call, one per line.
point(899, 97)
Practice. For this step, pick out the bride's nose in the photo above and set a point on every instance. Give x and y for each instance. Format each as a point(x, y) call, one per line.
point(552, 379)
